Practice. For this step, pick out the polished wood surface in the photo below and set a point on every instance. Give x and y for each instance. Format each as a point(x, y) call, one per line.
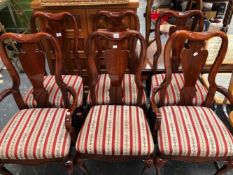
point(56, 25)
point(231, 118)
point(193, 57)
point(116, 61)
point(192, 20)
point(85, 16)
point(147, 15)
point(32, 58)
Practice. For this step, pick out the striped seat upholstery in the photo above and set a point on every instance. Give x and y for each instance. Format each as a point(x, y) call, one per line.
point(55, 95)
point(193, 131)
point(35, 134)
point(172, 96)
point(129, 90)
point(117, 131)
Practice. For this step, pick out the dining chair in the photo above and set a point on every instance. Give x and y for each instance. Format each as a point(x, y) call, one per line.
point(55, 25)
point(186, 131)
point(147, 15)
point(44, 133)
point(116, 22)
point(191, 20)
point(64, 27)
point(113, 130)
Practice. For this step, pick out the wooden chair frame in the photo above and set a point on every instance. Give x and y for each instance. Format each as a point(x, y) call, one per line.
point(93, 71)
point(181, 19)
point(27, 42)
point(115, 19)
point(147, 15)
point(116, 73)
point(57, 29)
point(188, 91)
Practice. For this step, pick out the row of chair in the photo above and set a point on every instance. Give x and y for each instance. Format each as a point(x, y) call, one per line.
point(116, 126)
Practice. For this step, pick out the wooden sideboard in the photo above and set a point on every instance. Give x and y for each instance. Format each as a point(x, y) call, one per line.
point(84, 15)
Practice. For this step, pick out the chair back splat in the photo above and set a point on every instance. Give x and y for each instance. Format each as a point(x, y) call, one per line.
point(32, 57)
point(193, 57)
point(62, 26)
point(116, 62)
point(116, 21)
point(192, 20)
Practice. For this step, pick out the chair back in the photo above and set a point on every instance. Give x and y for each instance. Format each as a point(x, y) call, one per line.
point(116, 21)
point(33, 60)
point(63, 26)
point(192, 20)
point(192, 57)
point(116, 60)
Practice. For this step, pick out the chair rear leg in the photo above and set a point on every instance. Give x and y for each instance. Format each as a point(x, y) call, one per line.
point(4, 171)
point(81, 165)
point(159, 163)
point(225, 168)
point(148, 164)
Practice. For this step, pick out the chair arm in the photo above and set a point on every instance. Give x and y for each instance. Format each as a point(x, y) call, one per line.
point(5, 93)
point(226, 93)
point(155, 110)
point(231, 118)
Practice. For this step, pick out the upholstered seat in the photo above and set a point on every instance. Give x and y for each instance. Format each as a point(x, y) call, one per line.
point(55, 94)
point(129, 90)
point(172, 96)
point(193, 131)
point(117, 131)
point(35, 134)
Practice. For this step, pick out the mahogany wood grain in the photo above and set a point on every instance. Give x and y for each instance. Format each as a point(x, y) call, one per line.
point(32, 58)
point(192, 20)
point(147, 14)
point(56, 24)
point(116, 60)
point(231, 118)
point(193, 57)
point(117, 22)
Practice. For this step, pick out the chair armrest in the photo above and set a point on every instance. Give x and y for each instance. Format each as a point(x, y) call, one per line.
point(5, 93)
point(226, 93)
point(231, 118)
point(155, 110)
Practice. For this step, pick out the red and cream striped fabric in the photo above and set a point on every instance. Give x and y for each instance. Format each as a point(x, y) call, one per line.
point(193, 131)
point(129, 90)
point(115, 130)
point(172, 96)
point(35, 134)
point(55, 95)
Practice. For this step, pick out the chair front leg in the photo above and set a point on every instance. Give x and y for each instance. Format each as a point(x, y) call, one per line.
point(80, 163)
point(148, 164)
point(4, 171)
point(225, 168)
point(159, 163)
